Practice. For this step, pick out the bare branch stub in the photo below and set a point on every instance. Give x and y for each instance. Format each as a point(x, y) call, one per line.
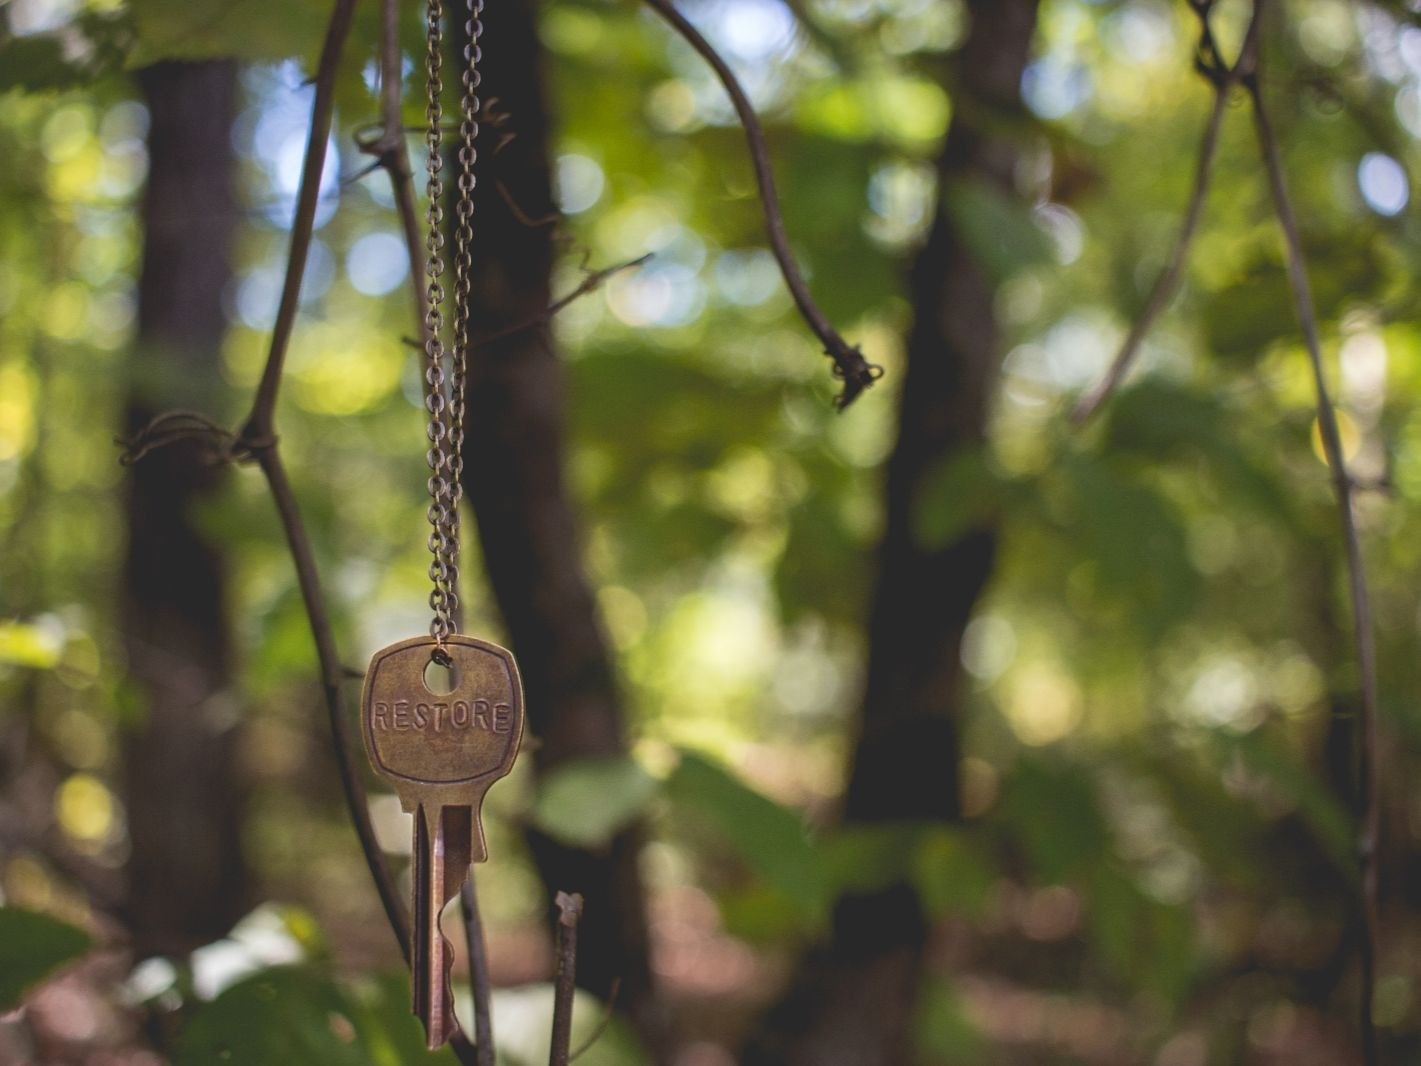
point(1363, 630)
point(569, 908)
point(850, 366)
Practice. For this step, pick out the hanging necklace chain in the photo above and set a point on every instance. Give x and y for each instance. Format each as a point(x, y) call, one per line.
point(444, 397)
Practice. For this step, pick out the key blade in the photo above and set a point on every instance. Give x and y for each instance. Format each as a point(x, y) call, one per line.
point(433, 954)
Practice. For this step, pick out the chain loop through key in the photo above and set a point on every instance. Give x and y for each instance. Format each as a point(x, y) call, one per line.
point(444, 399)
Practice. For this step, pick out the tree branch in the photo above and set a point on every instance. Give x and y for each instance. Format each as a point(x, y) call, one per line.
point(850, 366)
point(1223, 77)
point(257, 441)
point(1363, 635)
point(259, 422)
point(332, 682)
point(565, 983)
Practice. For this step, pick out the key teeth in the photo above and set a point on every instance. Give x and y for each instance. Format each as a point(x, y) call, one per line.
point(449, 1024)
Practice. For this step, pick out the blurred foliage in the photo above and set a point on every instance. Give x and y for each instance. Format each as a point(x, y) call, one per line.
point(32, 946)
point(1158, 675)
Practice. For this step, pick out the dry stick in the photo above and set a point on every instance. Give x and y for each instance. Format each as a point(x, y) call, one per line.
point(850, 366)
point(1223, 78)
point(1364, 639)
point(564, 986)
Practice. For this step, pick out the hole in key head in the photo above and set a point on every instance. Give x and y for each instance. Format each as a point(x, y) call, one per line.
point(440, 677)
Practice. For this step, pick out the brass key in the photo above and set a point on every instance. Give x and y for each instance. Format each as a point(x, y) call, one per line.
point(441, 752)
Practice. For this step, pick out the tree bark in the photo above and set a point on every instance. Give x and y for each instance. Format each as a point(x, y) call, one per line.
point(186, 873)
point(527, 530)
point(853, 997)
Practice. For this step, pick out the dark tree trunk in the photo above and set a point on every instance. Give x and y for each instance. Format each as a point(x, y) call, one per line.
point(187, 877)
point(852, 1001)
point(514, 480)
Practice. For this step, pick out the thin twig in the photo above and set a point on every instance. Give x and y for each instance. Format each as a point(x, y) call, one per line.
point(332, 688)
point(259, 423)
point(1223, 78)
point(1362, 624)
point(850, 366)
point(565, 983)
point(391, 152)
point(607, 1015)
point(478, 971)
point(591, 281)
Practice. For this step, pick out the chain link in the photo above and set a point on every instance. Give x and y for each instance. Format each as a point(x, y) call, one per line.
point(444, 399)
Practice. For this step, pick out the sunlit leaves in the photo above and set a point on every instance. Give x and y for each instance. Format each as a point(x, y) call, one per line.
point(93, 46)
point(207, 29)
point(283, 1014)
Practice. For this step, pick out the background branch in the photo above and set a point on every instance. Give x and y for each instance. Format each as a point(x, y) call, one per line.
point(1363, 636)
point(850, 366)
point(1223, 77)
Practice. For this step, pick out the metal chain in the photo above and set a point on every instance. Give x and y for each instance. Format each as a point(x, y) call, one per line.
point(446, 413)
point(463, 269)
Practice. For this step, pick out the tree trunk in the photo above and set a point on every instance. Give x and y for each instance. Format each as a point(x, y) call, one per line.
point(514, 480)
point(853, 998)
point(187, 877)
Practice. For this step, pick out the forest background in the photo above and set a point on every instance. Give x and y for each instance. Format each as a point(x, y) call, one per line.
point(942, 728)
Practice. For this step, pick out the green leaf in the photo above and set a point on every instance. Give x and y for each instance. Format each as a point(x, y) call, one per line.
point(770, 838)
point(391, 1035)
point(1161, 422)
point(285, 1014)
point(760, 913)
point(1144, 941)
point(997, 229)
point(585, 803)
point(942, 1031)
point(1052, 806)
point(951, 874)
point(1286, 771)
point(1134, 541)
point(869, 858)
point(32, 946)
point(959, 493)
